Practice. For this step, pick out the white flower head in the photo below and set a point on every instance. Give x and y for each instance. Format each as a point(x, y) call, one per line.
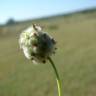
point(36, 44)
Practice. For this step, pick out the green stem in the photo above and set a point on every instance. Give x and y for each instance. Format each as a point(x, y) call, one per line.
point(57, 76)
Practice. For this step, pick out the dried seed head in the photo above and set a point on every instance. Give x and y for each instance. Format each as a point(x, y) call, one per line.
point(36, 44)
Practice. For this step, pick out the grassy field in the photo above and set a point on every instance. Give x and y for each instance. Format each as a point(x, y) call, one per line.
point(75, 58)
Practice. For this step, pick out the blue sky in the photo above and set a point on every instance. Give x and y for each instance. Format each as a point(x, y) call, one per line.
point(28, 9)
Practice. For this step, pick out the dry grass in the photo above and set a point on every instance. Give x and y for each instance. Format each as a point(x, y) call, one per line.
point(75, 59)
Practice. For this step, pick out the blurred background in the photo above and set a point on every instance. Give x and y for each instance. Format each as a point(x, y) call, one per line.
point(73, 25)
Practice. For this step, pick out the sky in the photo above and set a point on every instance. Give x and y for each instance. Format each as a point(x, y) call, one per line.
point(30, 9)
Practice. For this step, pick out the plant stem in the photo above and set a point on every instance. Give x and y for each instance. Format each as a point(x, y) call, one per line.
point(57, 76)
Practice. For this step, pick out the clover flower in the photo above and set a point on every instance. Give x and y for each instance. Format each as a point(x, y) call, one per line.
point(36, 44)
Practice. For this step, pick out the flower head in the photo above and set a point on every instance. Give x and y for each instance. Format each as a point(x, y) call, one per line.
point(36, 44)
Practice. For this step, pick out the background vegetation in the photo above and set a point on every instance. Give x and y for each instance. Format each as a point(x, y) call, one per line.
point(75, 58)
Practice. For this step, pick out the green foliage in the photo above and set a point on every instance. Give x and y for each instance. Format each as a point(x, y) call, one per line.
point(75, 60)
point(10, 22)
